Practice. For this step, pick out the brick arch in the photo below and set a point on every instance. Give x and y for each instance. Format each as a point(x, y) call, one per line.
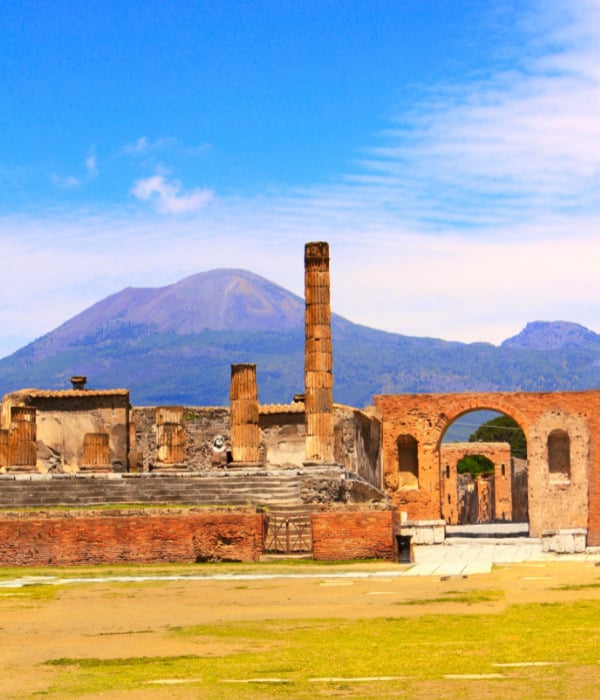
point(552, 506)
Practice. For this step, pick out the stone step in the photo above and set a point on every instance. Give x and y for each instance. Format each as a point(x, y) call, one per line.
point(83, 491)
point(488, 530)
point(493, 541)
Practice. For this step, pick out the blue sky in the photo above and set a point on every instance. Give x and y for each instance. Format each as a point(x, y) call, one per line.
point(448, 151)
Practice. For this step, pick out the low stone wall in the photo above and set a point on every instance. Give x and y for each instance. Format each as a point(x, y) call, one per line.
point(133, 536)
point(424, 531)
point(354, 535)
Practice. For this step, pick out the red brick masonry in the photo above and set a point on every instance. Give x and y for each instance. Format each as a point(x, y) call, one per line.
point(353, 535)
point(136, 536)
point(178, 535)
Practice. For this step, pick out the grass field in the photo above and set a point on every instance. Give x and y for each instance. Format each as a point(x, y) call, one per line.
point(523, 631)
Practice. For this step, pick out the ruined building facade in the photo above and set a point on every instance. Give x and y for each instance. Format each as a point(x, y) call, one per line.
point(352, 482)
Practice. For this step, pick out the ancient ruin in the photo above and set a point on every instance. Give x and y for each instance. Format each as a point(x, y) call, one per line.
point(311, 476)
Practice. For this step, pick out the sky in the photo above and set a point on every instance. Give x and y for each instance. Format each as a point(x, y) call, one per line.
point(448, 151)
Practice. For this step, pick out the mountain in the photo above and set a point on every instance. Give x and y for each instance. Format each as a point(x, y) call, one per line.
point(553, 335)
point(175, 345)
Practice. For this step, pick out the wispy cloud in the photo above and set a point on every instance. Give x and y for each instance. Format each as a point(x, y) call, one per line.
point(479, 210)
point(169, 197)
point(69, 181)
point(144, 146)
point(518, 144)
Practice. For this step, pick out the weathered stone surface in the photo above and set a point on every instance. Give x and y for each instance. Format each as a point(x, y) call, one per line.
point(425, 531)
point(565, 541)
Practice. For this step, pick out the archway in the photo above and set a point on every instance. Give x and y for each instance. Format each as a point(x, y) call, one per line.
point(563, 495)
point(483, 470)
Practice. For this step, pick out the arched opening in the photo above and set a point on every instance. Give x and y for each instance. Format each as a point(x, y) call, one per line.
point(408, 462)
point(483, 466)
point(559, 456)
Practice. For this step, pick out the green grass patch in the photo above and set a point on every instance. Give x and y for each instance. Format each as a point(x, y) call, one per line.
point(466, 597)
point(29, 592)
point(421, 650)
point(575, 586)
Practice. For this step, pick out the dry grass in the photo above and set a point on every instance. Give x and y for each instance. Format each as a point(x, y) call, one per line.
point(524, 631)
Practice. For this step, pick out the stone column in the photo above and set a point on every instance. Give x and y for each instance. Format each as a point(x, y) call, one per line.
point(318, 360)
point(245, 434)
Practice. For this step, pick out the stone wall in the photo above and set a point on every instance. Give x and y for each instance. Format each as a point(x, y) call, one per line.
point(354, 535)
point(555, 502)
point(520, 506)
point(282, 436)
point(133, 536)
point(207, 438)
point(358, 443)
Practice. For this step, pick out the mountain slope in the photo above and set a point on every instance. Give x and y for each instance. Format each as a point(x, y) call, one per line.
point(219, 300)
point(175, 345)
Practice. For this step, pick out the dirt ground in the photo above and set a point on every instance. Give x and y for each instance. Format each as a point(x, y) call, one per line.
point(108, 620)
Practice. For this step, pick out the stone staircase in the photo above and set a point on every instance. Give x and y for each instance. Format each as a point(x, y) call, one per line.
point(228, 489)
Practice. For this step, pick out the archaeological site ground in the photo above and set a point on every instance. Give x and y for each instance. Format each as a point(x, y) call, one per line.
point(367, 630)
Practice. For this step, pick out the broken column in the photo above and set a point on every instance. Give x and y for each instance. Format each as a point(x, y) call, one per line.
point(245, 434)
point(318, 359)
point(170, 439)
point(22, 445)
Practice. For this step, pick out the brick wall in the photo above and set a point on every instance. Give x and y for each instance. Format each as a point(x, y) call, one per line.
point(135, 536)
point(353, 535)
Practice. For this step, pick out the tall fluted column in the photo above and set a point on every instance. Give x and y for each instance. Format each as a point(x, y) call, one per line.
point(318, 360)
point(245, 435)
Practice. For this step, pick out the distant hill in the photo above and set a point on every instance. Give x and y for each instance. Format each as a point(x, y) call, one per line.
point(175, 345)
point(553, 335)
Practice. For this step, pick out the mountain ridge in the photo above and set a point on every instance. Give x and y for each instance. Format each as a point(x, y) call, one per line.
point(175, 344)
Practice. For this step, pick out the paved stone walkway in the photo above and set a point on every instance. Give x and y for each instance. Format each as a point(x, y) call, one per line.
point(465, 557)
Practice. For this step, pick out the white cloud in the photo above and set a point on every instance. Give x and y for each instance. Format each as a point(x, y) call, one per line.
point(168, 196)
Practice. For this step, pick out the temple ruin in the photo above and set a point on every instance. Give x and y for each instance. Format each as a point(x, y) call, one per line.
point(310, 476)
